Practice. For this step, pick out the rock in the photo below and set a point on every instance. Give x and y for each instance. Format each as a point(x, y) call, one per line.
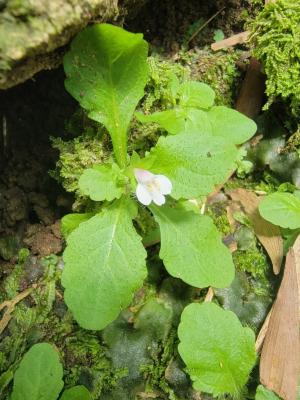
point(42, 241)
point(33, 32)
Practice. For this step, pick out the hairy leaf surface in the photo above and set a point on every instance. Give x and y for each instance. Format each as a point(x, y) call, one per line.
point(194, 163)
point(192, 249)
point(106, 72)
point(39, 376)
point(218, 351)
point(281, 209)
point(104, 266)
point(102, 182)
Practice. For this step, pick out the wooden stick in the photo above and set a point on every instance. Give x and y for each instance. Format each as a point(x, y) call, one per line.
point(239, 38)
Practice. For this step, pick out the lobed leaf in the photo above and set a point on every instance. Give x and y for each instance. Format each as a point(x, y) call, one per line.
point(194, 163)
point(218, 351)
point(106, 72)
point(39, 376)
point(192, 249)
point(281, 209)
point(104, 266)
point(102, 182)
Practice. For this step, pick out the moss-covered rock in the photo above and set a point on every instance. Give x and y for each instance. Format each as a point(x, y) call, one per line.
point(30, 31)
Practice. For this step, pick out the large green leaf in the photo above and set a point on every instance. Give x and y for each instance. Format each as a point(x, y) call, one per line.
point(194, 163)
point(104, 266)
point(281, 209)
point(106, 72)
point(102, 182)
point(76, 393)
point(39, 376)
point(192, 249)
point(218, 351)
point(231, 124)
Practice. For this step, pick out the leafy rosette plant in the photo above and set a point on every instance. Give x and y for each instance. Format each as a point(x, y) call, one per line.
point(107, 71)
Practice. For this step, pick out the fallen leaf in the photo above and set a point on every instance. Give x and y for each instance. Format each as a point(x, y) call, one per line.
point(279, 364)
point(267, 233)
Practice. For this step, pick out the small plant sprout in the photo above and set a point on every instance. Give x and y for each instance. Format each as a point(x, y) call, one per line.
point(151, 187)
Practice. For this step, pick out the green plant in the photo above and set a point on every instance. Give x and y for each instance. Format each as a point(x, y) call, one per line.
point(218, 351)
point(106, 72)
point(275, 39)
point(39, 377)
point(281, 209)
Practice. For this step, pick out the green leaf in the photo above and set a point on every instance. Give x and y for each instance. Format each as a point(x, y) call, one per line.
point(179, 120)
point(281, 209)
point(76, 393)
point(218, 351)
point(195, 94)
point(192, 249)
point(231, 124)
point(71, 221)
point(263, 393)
point(106, 72)
point(218, 35)
point(102, 182)
point(39, 376)
point(104, 266)
point(194, 163)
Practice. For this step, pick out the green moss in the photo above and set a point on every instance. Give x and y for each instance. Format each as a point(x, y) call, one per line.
point(76, 155)
point(275, 40)
point(251, 261)
point(219, 70)
point(218, 214)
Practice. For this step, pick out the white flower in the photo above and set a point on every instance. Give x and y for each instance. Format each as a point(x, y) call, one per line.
point(151, 187)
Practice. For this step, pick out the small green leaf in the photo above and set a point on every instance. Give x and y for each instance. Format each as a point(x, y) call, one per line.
point(71, 221)
point(218, 35)
point(76, 393)
point(102, 182)
point(106, 72)
point(194, 163)
point(104, 266)
point(263, 393)
point(173, 121)
point(39, 376)
point(231, 124)
point(195, 94)
point(218, 351)
point(179, 120)
point(192, 249)
point(281, 209)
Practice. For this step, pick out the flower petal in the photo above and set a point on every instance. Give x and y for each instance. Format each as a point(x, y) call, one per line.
point(143, 176)
point(164, 183)
point(143, 195)
point(158, 198)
